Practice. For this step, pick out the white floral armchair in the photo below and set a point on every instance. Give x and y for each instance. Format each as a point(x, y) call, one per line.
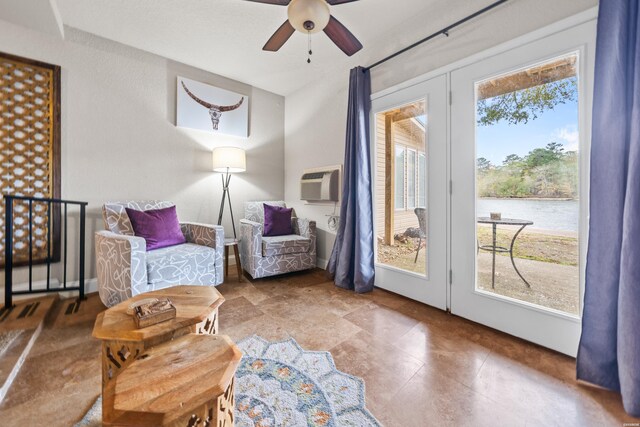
point(126, 269)
point(263, 256)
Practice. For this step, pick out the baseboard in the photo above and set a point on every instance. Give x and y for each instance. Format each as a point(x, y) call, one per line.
point(90, 285)
point(321, 263)
point(38, 284)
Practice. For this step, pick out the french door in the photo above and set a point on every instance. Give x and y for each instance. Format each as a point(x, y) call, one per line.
point(409, 158)
point(520, 124)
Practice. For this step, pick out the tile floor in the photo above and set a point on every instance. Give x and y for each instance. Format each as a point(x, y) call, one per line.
point(422, 367)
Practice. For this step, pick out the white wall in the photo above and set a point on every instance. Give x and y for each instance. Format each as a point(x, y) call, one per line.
point(119, 140)
point(315, 123)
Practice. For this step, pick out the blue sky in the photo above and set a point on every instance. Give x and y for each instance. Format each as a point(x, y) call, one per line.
point(497, 141)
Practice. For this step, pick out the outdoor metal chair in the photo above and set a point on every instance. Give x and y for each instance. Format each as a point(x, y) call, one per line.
point(421, 213)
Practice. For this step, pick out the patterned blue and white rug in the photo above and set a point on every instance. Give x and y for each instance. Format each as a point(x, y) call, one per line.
point(278, 384)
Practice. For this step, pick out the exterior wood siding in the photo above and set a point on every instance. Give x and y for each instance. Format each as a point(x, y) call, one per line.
point(406, 133)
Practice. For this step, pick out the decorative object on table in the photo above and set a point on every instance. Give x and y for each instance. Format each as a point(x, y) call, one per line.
point(228, 160)
point(279, 383)
point(495, 215)
point(309, 17)
point(30, 123)
point(144, 369)
point(494, 248)
point(208, 108)
point(137, 303)
point(264, 256)
point(153, 312)
point(125, 268)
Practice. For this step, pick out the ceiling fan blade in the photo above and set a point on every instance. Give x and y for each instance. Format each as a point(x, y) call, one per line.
point(280, 37)
point(342, 37)
point(276, 2)
point(336, 2)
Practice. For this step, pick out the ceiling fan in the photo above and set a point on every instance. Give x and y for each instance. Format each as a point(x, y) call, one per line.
point(311, 16)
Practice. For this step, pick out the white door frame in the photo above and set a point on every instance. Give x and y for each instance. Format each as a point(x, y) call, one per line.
point(550, 328)
point(432, 288)
point(587, 16)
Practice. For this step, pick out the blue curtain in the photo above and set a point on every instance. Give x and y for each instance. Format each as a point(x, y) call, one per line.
point(609, 352)
point(351, 262)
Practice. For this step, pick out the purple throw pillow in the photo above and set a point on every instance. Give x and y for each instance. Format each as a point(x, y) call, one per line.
point(159, 227)
point(277, 220)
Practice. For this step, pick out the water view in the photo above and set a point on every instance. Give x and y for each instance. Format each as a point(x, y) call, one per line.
point(561, 215)
point(527, 143)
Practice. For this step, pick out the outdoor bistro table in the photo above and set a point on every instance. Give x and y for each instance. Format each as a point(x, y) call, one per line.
point(494, 249)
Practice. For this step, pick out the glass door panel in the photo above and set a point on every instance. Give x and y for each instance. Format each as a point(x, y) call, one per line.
point(409, 142)
point(402, 132)
point(527, 192)
point(519, 141)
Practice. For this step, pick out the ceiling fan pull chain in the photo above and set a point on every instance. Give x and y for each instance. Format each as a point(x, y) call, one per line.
point(309, 45)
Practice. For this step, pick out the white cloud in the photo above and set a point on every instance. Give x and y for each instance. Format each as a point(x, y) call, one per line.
point(568, 136)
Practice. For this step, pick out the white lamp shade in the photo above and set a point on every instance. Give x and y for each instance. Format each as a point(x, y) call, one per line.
point(229, 159)
point(316, 11)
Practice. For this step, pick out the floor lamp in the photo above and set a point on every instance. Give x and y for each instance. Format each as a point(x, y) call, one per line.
point(228, 160)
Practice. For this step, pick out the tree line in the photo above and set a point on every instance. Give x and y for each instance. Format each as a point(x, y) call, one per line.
point(549, 172)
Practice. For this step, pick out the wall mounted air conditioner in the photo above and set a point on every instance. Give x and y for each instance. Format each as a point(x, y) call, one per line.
point(318, 185)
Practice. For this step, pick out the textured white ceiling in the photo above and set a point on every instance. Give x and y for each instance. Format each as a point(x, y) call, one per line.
point(41, 15)
point(226, 36)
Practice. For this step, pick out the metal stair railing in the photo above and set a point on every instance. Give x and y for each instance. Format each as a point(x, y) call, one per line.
point(9, 261)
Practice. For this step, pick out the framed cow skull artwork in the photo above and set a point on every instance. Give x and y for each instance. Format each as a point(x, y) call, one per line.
point(208, 108)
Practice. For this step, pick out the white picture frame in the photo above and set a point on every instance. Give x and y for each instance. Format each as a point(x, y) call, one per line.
point(211, 109)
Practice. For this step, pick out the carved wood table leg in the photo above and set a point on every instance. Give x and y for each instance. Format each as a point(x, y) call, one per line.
point(226, 406)
point(216, 413)
point(116, 356)
point(209, 325)
point(123, 345)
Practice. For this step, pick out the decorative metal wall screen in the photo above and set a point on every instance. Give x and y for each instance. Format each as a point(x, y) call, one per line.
point(30, 155)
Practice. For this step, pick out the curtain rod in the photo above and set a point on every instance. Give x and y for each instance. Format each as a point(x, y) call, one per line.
point(444, 31)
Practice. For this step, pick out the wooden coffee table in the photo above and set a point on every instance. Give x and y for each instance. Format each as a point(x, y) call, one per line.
point(124, 347)
point(196, 311)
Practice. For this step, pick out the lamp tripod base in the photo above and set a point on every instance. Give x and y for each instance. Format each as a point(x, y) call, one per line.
point(226, 197)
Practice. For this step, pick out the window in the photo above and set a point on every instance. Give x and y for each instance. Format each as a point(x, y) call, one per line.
point(527, 151)
point(422, 180)
point(399, 178)
point(410, 178)
point(400, 143)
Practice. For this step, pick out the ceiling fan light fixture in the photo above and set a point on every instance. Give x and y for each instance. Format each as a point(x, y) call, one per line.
point(308, 16)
